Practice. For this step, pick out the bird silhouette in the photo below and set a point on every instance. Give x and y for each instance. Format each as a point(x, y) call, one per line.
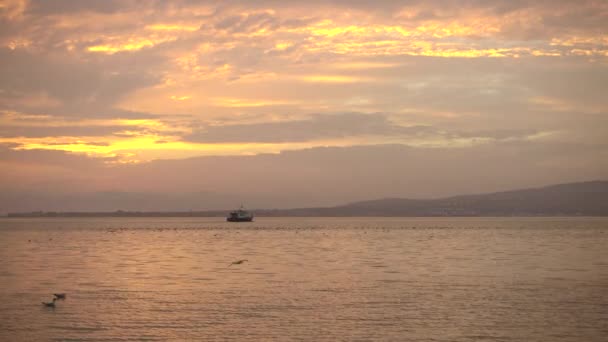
point(238, 262)
point(59, 295)
point(51, 304)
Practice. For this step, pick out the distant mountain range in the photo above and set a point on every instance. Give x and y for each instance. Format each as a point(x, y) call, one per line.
point(572, 199)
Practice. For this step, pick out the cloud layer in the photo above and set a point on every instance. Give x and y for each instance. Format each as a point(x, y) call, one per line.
point(116, 83)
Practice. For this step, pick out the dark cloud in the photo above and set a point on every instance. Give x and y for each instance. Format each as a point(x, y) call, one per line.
point(496, 134)
point(10, 131)
point(319, 126)
point(82, 89)
point(346, 125)
point(248, 22)
point(21, 71)
point(582, 85)
point(48, 7)
point(380, 171)
point(297, 178)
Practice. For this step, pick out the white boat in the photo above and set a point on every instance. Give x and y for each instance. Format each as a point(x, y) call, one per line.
point(240, 215)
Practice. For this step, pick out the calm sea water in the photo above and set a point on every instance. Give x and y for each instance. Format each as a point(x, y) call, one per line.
point(312, 279)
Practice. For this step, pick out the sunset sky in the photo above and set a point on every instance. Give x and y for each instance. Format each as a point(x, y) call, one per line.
point(151, 105)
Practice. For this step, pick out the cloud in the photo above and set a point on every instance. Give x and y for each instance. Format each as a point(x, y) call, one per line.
point(237, 78)
point(44, 7)
point(44, 131)
point(44, 157)
point(310, 177)
point(249, 23)
point(317, 127)
point(82, 89)
point(354, 128)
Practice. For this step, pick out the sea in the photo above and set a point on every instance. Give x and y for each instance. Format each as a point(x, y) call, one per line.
point(304, 279)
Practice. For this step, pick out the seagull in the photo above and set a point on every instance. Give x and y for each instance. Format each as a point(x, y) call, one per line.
point(51, 304)
point(238, 262)
point(59, 295)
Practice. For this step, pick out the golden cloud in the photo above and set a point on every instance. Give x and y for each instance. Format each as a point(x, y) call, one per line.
point(172, 27)
point(131, 44)
point(238, 102)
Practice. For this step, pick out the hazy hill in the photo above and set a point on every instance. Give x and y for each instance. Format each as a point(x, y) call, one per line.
point(588, 198)
point(573, 199)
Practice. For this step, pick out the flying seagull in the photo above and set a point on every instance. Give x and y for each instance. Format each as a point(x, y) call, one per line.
point(51, 304)
point(59, 295)
point(238, 262)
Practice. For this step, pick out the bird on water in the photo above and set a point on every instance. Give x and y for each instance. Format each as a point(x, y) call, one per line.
point(59, 295)
point(51, 304)
point(238, 262)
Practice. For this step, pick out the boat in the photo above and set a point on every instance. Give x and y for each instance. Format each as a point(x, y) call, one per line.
point(240, 215)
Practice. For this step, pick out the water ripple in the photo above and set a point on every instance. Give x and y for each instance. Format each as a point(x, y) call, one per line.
point(311, 279)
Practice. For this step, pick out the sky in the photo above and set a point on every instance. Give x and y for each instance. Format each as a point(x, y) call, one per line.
point(195, 105)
